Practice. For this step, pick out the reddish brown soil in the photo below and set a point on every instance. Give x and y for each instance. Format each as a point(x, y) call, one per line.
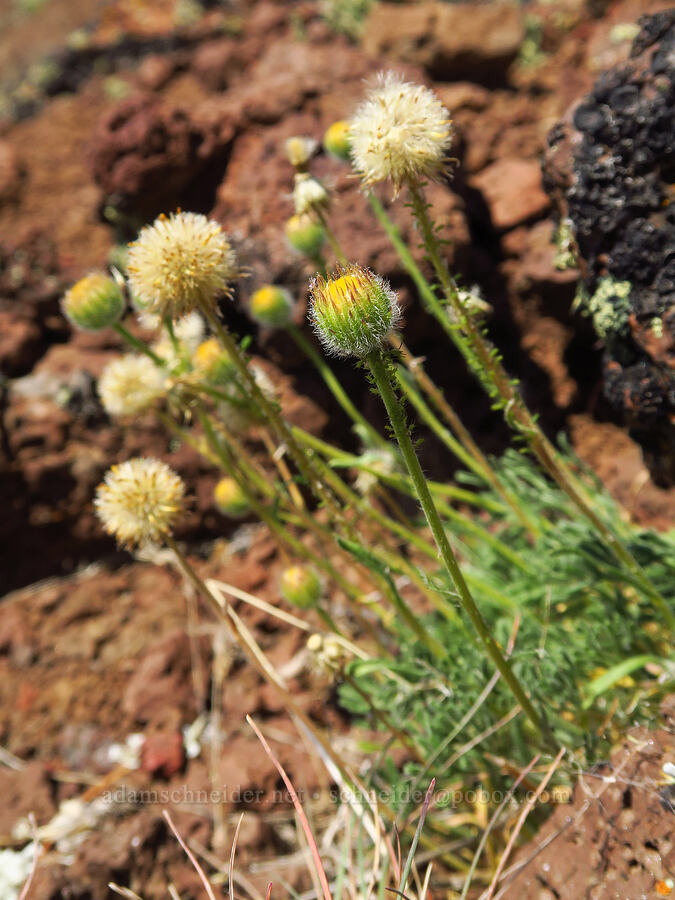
point(93, 654)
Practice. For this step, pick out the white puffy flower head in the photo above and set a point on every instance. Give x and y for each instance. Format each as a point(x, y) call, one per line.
point(129, 385)
point(179, 264)
point(189, 333)
point(139, 501)
point(400, 131)
point(309, 195)
point(299, 150)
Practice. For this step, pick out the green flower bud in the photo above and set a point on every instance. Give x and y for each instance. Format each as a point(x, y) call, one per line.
point(305, 235)
point(300, 586)
point(272, 306)
point(336, 140)
point(94, 302)
point(211, 361)
point(230, 499)
point(353, 312)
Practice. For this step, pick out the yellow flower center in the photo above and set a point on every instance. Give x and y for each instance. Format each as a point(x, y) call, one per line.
point(342, 291)
point(266, 297)
point(207, 353)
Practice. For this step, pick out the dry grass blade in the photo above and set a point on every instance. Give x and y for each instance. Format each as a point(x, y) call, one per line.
point(298, 807)
point(521, 821)
point(486, 833)
point(190, 855)
point(230, 885)
point(416, 838)
point(125, 892)
point(26, 888)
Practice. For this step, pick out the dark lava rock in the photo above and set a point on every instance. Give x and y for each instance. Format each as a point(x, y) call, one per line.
point(610, 169)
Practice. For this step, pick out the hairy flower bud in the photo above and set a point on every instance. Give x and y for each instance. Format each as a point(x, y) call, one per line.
point(305, 234)
point(230, 499)
point(309, 195)
point(300, 586)
point(400, 131)
point(272, 306)
point(130, 384)
point(299, 151)
point(179, 264)
point(353, 312)
point(336, 140)
point(139, 501)
point(94, 302)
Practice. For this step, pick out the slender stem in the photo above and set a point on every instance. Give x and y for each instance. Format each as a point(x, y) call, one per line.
point(279, 461)
point(406, 486)
point(395, 479)
point(270, 413)
point(468, 451)
point(138, 344)
point(332, 239)
point(276, 527)
point(379, 368)
point(334, 386)
point(486, 363)
point(430, 300)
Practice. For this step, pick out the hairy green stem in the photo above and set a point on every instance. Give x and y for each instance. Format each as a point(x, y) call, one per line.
point(271, 414)
point(334, 386)
point(465, 448)
point(486, 362)
point(138, 344)
point(430, 300)
point(379, 367)
point(406, 486)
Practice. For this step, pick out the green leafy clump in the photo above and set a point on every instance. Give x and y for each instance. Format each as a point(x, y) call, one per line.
point(609, 307)
point(347, 16)
point(581, 634)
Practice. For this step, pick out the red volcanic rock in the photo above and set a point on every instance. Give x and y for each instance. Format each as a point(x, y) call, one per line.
point(215, 61)
point(19, 342)
point(459, 40)
point(163, 754)
point(162, 681)
point(148, 155)
point(10, 173)
point(513, 191)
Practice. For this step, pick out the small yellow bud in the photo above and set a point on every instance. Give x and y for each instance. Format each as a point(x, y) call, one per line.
point(300, 586)
point(336, 140)
point(305, 235)
point(272, 306)
point(94, 302)
point(314, 643)
point(230, 499)
point(213, 362)
point(353, 312)
point(299, 151)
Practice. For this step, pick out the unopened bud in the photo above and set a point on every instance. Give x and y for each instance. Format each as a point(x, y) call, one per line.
point(336, 140)
point(230, 499)
point(272, 306)
point(94, 302)
point(300, 586)
point(305, 235)
point(353, 312)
